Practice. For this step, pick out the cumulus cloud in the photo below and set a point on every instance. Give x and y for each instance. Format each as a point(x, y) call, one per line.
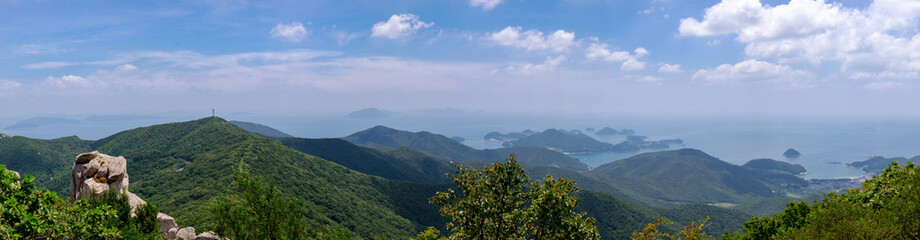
point(600, 51)
point(558, 41)
point(294, 32)
point(399, 26)
point(751, 71)
point(632, 64)
point(882, 37)
point(7, 85)
point(670, 68)
point(485, 4)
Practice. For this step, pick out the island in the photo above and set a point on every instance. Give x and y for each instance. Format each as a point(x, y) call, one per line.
point(791, 153)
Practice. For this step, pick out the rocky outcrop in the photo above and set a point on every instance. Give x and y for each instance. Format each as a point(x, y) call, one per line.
point(95, 173)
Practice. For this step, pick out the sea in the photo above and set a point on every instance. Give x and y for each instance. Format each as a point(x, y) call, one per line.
point(826, 144)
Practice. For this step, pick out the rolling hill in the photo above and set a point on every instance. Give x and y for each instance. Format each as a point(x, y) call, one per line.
point(402, 163)
point(686, 175)
point(260, 129)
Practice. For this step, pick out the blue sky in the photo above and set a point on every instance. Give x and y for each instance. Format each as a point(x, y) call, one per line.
point(655, 57)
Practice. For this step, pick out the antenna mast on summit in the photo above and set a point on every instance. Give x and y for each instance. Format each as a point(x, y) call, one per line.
point(212, 113)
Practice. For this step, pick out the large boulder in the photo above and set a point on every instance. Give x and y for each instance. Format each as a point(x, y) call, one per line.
point(186, 233)
point(166, 222)
point(95, 173)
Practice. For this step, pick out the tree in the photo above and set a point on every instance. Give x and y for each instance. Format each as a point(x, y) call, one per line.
point(500, 202)
point(885, 207)
point(259, 211)
point(694, 231)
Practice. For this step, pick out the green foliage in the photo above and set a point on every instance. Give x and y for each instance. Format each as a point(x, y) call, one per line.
point(693, 231)
point(258, 212)
point(885, 207)
point(402, 163)
point(500, 202)
point(29, 213)
point(429, 234)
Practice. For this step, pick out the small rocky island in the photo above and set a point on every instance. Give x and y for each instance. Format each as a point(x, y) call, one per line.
point(791, 153)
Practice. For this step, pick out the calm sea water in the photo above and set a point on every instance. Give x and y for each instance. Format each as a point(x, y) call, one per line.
point(826, 145)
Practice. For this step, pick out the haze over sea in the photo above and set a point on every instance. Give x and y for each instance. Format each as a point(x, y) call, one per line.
point(826, 144)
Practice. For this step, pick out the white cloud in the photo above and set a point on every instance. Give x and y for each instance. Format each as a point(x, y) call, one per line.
point(399, 26)
point(752, 71)
point(294, 32)
point(883, 85)
point(69, 82)
point(126, 67)
point(632, 64)
point(882, 37)
point(558, 41)
point(485, 4)
point(600, 51)
point(670, 68)
point(548, 65)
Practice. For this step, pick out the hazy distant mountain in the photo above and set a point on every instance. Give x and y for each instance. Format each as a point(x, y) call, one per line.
point(385, 138)
point(876, 164)
point(607, 131)
point(367, 113)
point(260, 129)
point(39, 122)
point(686, 175)
point(563, 141)
point(111, 118)
point(441, 111)
point(791, 153)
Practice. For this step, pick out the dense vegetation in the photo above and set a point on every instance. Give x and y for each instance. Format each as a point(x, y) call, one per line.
point(27, 212)
point(182, 166)
point(402, 163)
point(686, 175)
point(885, 207)
point(500, 202)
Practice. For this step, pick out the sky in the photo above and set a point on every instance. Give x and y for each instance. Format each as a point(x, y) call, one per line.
point(638, 57)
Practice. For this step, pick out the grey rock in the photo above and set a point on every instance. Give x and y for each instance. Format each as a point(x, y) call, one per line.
point(171, 233)
point(186, 233)
point(166, 223)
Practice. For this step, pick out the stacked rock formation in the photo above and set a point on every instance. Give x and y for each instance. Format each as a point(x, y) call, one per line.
point(95, 173)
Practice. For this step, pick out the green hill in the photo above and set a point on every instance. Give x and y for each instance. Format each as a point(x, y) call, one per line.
point(182, 166)
point(402, 163)
point(384, 138)
point(260, 129)
point(48, 160)
point(686, 175)
point(876, 164)
point(774, 165)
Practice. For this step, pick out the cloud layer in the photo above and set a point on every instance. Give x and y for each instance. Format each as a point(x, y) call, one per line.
point(399, 26)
